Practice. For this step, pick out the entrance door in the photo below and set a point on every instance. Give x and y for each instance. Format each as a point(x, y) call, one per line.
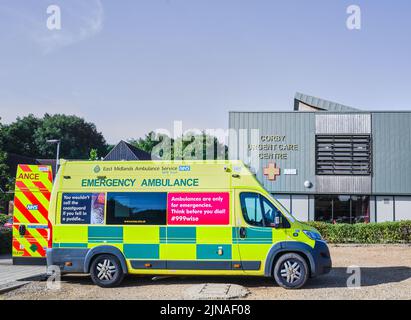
point(259, 225)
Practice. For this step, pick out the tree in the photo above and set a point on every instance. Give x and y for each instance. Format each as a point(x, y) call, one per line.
point(27, 136)
point(5, 181)
point(18, 136)
point(76, 135)
point(198, 146)
point(93, 155)
point(146, 144)
point(5, 178)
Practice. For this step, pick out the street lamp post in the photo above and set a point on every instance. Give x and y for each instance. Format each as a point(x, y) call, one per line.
point(56, 141)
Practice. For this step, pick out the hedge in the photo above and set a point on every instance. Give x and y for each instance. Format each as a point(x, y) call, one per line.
point(5, 235)
point(5, 240)
point(364, 233)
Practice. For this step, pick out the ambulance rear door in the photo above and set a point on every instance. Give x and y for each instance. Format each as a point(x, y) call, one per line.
point(30, 216)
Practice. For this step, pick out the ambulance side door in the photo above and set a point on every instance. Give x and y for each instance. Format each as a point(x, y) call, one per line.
point(255, 230)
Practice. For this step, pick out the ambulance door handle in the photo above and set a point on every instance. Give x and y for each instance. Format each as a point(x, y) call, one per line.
point(22, 229)
point(243, 232)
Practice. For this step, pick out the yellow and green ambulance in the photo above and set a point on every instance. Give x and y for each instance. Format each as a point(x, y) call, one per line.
point(110, 219)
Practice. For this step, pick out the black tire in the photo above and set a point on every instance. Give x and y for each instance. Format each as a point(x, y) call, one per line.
point(106, 271)
point(291, 271)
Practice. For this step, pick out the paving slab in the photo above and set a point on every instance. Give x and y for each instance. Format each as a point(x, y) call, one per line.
point(215, 291)
point(12, 276)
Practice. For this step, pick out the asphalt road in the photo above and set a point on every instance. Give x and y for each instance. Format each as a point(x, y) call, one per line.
point(385, 274)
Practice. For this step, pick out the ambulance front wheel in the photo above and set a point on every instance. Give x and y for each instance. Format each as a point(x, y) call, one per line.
point(291, 271)
point(106, 271)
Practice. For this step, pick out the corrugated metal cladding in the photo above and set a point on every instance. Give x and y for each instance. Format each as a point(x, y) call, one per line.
point(359, 123)
point(392, 153)
point(297, 128)
point(343, 184)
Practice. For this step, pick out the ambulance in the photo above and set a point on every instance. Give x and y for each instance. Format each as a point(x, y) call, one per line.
point(109, 219)
point(31, 236)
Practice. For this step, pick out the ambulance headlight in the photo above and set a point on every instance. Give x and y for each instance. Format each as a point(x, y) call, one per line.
point(313, 235)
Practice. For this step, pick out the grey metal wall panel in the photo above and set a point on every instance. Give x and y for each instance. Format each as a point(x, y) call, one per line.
point(402, 207)
point(298, 128)
point(391, 134)
point(385, 208)
point(344, 184)
point(343, 123)
point(300, 207)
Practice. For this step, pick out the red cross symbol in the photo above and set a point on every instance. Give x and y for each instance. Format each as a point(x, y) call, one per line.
point(271, 171)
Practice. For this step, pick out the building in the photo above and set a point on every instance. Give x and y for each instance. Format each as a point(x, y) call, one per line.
point(328, 162)
point(127, 152)
point(13, 160)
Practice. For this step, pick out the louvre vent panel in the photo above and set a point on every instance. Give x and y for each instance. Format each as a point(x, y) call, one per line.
point(343, 154)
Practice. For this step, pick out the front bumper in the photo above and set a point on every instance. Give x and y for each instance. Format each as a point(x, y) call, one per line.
point(322, 258)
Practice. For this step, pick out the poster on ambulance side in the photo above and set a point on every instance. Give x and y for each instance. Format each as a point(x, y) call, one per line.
point(198, 208)
point(82, 208)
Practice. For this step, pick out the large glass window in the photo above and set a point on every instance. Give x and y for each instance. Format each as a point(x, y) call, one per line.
point(147, 208)
point(342, 208)
point(323, 208)
point(360, 209)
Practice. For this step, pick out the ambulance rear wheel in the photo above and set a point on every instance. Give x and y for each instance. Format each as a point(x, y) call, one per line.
point(106, 271)
point(291, 271)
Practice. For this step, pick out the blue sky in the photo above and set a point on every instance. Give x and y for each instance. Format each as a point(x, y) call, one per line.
point(134, 66)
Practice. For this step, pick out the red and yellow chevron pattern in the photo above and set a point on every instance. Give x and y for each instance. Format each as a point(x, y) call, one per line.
point(30, 218)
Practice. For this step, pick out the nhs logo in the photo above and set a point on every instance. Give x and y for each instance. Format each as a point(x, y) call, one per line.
point(184, 168)
point(32, 207)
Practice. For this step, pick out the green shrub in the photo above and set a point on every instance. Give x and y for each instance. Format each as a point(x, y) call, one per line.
point(386, 232)
point(5, 240)
point(3, 219)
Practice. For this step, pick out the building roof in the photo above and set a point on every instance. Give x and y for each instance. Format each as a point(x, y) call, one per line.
point(318, 104)
point(15, 159)
point(126, 151)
